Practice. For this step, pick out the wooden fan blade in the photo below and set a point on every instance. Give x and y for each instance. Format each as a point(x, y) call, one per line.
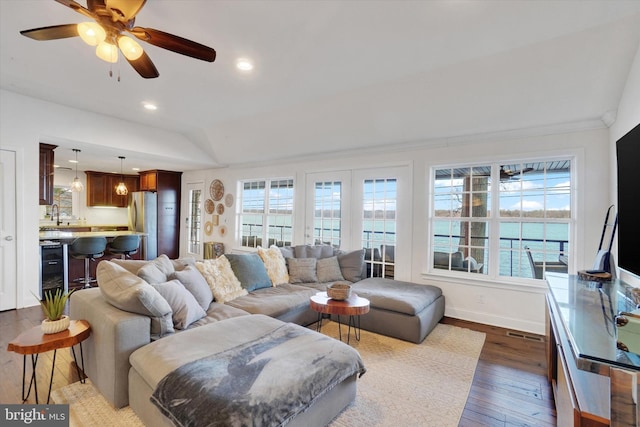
point(125, 9)
point(77, 7)
point(52, 33)
point(175, 43)
point(144, 66)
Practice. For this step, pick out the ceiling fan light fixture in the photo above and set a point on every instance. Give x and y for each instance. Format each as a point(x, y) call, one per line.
point(76, 185)
point(91, 33)
point(130, 48)
point(107, 52)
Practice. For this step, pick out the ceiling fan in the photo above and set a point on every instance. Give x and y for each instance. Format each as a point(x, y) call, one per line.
point(113, 19)
point(506, 174)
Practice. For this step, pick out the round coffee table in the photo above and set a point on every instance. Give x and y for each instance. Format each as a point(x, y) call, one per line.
point(354, 306)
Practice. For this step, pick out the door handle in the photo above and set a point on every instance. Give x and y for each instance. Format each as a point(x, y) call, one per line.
point(8, 238)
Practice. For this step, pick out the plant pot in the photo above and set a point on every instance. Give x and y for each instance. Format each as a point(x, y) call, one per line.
point(55, 326)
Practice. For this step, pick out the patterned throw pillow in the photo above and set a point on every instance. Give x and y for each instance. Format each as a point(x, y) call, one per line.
point(219, 275)
point(275, 264)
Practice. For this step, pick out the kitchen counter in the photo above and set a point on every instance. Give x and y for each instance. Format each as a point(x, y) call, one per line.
point(69, 236)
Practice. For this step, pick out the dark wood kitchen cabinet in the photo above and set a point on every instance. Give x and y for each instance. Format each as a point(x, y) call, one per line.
point(46, 173)
point(101, 188)
point(167, 185)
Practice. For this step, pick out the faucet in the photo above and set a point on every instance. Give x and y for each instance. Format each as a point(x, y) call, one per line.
point(57, 208)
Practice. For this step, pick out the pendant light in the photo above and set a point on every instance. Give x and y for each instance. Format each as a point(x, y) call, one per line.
point(76, 185)
point(121, 188)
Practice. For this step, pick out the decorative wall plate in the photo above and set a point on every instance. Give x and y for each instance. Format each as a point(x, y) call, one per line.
point(220, 209)
point(208, 228)
point(228, 200)
point(209, 206)
point(216, 189)
point(223, 230)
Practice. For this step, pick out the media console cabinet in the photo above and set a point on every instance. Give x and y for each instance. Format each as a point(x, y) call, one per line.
point(594, 382)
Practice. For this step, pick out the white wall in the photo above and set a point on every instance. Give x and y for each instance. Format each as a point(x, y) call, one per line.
point(503, 304)
point(628, 117)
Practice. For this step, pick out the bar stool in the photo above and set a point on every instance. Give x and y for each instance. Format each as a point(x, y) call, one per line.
point(125, 246)
point(87, 248)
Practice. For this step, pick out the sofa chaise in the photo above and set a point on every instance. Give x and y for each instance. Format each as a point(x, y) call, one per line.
point(126, 338)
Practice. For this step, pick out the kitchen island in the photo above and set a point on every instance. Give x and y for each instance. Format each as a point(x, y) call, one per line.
point(75, 267)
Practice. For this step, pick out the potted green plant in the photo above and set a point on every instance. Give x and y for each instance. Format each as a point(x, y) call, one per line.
point(53, 308)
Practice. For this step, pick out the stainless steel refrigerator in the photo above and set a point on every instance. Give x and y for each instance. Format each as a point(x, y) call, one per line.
point(143, 217)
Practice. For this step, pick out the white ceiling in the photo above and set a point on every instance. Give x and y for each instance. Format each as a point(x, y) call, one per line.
point(337, 75)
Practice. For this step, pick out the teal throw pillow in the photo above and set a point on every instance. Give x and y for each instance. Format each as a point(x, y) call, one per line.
point(250, 271)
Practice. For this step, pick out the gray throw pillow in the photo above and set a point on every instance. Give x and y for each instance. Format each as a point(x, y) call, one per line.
point(195, 283)
point(164, 264)
point(158, 270)
point(184, 306)
point(328, 270)
point(313, 251)
point(250, 271)
point(150, 273)
point(287, 251)
point(302, 270)
point(351, 265)
point(129, 292)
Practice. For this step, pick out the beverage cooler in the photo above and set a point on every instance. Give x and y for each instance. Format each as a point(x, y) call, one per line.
point(53, 268)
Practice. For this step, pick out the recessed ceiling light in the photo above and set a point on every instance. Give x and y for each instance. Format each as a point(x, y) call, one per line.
point(73, 161)
point(149, 106)
point(135, 169)
point(244, 64)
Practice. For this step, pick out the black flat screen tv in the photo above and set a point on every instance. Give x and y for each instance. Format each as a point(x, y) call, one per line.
point(628, 160)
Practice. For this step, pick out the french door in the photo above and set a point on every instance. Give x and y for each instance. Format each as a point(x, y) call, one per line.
point(363, 208)
point(195, 221)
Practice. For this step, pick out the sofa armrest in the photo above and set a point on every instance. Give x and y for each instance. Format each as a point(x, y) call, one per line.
point(115, 334)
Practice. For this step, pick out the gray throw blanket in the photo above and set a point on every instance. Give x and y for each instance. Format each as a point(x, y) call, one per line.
point(265, 382)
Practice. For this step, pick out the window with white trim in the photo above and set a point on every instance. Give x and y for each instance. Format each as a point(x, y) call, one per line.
point(509, 220)
point(266, 214)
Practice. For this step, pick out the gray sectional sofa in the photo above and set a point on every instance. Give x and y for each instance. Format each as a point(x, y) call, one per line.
point(123, 333)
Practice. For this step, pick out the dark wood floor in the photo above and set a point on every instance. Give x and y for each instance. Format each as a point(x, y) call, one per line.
point(509, 387)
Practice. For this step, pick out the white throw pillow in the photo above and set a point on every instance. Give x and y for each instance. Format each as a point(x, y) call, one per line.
point(275, 263)
point(224, 285)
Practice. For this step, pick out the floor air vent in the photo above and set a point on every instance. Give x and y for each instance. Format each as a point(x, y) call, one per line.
point(524, 336)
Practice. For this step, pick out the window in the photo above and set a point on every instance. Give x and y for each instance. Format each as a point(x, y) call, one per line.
point(267, 216)
point(509, 220)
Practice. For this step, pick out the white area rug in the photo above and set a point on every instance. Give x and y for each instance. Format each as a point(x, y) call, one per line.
point(405, 384)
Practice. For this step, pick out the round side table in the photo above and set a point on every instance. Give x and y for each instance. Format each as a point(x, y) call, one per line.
point(34, 342)
point(354, 306)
